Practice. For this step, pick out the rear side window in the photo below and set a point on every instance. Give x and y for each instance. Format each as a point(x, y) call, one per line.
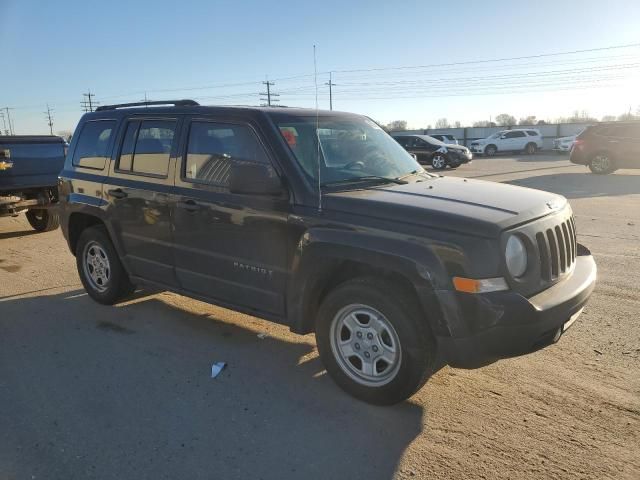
point(532, 133)
point(212, 146)
point(94, 144)
point(146, 147)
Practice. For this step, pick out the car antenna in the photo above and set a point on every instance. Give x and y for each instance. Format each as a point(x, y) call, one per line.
point(315, 79)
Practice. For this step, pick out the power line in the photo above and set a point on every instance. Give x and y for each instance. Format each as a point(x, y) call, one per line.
point(476, 62)
point(49, 119)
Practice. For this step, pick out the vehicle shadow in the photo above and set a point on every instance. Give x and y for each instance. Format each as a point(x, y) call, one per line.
point(583, 185)
point(90, 391)
point(14, 234)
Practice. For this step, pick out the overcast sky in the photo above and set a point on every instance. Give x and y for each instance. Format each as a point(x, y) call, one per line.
point(219, 52)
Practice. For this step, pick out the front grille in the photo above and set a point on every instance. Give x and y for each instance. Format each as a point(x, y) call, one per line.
point(558, 249)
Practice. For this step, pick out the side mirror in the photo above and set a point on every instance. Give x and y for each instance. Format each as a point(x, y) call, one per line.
point(253, 178)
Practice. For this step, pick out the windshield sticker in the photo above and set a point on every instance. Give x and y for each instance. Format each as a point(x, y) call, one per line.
point(290, 134)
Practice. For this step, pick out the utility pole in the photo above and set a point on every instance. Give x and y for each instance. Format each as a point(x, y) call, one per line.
point(88, 103)
point(269, 94)
point(8, 131)
point(145, 99)
point(49, 119)
point(331, 84)
point(4, 124)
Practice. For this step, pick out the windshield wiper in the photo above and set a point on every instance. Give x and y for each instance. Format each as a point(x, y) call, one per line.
point(365, 178)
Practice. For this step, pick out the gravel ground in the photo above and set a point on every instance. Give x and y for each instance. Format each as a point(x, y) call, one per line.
point(88, 391)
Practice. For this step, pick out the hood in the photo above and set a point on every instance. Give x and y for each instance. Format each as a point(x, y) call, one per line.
point(453, 146)
point(472, 207)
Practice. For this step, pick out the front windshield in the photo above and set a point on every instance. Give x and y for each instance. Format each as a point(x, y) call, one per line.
point(349, 148)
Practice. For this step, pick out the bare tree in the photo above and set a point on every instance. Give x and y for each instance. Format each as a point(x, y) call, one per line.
point(484, 123)
point(505, 120)
point(397, 125)
point(442, 123)
point(529, 120)
point(458, 124)
point(609, 118)
point(66, 134)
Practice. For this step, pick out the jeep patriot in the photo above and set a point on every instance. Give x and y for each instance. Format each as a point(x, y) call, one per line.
point(321, 221)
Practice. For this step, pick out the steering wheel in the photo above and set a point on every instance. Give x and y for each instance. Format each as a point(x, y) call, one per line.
point(355, 165)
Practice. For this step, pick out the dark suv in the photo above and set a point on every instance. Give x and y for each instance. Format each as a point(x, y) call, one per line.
point(322, 222)
point(608, 146)
point(431, 151)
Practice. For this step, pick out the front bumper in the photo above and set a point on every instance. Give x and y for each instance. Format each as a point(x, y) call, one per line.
point(477, 148)
point(518, 325)
point(562, 148)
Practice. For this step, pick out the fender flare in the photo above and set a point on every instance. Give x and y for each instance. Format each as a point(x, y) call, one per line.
point(320, 251)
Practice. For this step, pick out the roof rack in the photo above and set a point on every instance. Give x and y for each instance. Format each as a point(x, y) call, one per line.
point(175, 103)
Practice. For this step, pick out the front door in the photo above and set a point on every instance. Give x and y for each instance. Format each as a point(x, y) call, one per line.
point(515, 140)
point(228, 247)
point(139, 190)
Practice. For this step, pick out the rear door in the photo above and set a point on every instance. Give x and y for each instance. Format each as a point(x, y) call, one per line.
point(627, 145)
point(228, 247)
point(514, 140)
point(138, 190)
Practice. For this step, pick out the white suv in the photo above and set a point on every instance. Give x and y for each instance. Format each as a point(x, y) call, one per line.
point(516, 140)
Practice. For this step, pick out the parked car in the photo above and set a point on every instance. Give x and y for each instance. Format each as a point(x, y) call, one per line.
point(319, 220)
point(608, 146)
point(564, 144)
point(29, 168)
point(516, 140)
point(444, 138)
point(429, 151)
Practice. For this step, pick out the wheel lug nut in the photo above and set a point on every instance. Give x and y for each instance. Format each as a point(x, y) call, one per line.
point(357, 345)
point(369, 336)
point(374, 348)
point(367, 354)
point(359, 334)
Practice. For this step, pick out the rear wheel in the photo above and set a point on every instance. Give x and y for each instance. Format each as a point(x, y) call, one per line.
point(43, 220)
point(374, 341)
point(490, 151)
point(530, 149)
point(439, 161)
point(99, 267)
point(601, 164)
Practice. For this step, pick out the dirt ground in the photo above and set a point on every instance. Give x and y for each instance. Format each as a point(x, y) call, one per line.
point(88, 391)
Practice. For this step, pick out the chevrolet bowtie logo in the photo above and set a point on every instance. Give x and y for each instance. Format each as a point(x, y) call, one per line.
point(5, 165)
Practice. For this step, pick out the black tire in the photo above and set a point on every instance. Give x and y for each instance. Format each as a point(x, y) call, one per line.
point(43, 220)
point(117, 286)
point(417, 360)
point(490, 150)
point(602, 163)
point(530, 148)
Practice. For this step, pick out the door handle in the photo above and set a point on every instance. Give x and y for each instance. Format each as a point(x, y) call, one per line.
point(117, 193)
point(188, 205)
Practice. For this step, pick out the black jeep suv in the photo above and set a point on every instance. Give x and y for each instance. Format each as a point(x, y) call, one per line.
point(322, 222)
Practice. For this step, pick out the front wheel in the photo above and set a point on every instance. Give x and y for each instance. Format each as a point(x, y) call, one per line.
point(490, 151)
point(99, 267)
point(374, 341)
point(439, 161)
point(43, 220)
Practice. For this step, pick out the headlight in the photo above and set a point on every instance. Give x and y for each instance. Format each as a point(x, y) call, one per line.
point(516, 256)
point(442, 150)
